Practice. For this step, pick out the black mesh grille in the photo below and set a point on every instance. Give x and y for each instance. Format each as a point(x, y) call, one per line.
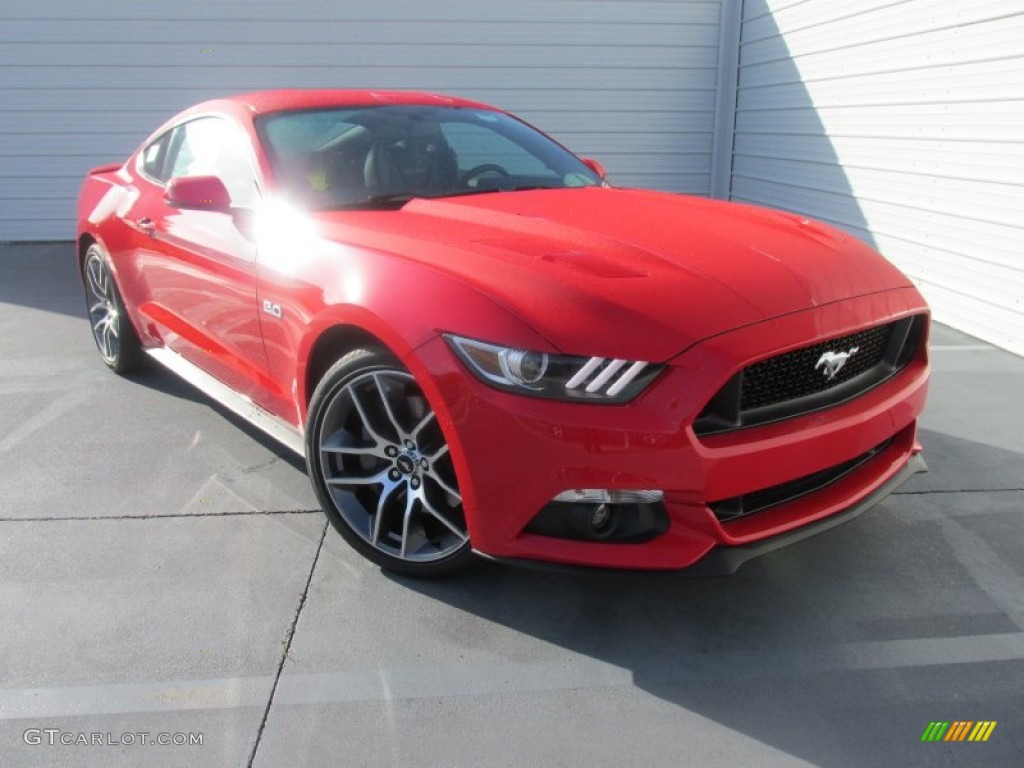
point(803, 371)
point(808, 379)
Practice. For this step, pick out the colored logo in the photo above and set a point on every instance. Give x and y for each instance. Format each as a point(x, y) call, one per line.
point(958, 730)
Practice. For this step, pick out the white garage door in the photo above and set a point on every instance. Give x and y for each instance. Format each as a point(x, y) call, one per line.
point(902, 122)
point(631, 82)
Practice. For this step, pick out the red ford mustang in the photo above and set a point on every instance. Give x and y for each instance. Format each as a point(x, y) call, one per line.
point(480, 345)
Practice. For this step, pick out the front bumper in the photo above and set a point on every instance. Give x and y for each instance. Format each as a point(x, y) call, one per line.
point(723, 561)
point(513, 454)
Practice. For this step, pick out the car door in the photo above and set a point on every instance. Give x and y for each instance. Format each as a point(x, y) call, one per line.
point(198, 266)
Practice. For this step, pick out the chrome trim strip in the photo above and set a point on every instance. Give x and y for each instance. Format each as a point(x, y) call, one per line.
point(238, 404)
point(610, 496)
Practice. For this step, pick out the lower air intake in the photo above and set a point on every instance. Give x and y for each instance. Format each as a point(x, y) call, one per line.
point(757, 501)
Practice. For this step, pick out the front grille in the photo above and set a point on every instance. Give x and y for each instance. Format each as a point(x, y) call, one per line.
point(757, 501)
point(799, 373)
point(810, 378)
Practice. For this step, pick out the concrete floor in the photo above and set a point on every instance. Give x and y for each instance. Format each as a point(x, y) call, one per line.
point(164, 569)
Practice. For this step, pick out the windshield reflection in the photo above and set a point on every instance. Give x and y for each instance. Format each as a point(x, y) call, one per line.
point(384, 156)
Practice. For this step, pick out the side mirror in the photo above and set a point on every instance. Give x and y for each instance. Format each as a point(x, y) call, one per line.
point(205, 193)
point(595, 166)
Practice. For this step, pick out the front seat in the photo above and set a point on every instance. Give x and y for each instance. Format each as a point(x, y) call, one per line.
point(420, 162)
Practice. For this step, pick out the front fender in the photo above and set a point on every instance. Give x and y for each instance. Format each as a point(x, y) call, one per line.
point(402, 304)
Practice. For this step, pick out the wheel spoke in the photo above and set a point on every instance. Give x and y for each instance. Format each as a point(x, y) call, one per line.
point(381, 478)
point(389, 488)
point(438, 453)
point(101, 337)
point(105, 337)
point(345, 442)
point(444, 485)
point(108, 339)
point(410, 499)
point(95, 277)
point(387, 408)
point(90, 277)
point(423, 423)
point(441, 518)
point(367, 424)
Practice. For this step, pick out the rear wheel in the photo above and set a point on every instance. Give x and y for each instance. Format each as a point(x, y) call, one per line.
point(111, 329)
point(381, 467)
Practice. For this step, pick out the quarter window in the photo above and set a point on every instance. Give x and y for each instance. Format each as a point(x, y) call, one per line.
point(154, 159)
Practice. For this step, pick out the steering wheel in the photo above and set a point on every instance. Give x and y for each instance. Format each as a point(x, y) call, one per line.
point(480, 170)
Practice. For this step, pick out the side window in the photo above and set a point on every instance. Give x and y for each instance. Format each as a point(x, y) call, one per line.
point(476, 145)
point(211, 146)
point(153, 162)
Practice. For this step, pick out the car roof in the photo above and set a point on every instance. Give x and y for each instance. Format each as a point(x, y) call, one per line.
point(293, 98)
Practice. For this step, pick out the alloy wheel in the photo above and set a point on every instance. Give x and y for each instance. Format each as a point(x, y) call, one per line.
point(104, 315)
point(387, 469)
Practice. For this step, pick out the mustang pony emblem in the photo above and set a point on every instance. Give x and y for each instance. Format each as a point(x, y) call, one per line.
point(834, 362)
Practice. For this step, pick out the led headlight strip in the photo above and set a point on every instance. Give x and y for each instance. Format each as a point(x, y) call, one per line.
point(560, 377)
point(606, 372)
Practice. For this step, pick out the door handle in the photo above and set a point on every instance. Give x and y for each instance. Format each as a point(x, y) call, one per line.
point(147, 226)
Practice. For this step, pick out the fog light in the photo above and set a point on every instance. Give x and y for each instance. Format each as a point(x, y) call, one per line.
point(603, 515)
point(601, 519)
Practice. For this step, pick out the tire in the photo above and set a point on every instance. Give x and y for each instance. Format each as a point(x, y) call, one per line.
point(112, 330)
point(381, 469)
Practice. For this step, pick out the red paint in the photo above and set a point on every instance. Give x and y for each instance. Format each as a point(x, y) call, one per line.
point(201, 192)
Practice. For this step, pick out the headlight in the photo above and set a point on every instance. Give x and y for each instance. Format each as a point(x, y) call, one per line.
point(559, 377)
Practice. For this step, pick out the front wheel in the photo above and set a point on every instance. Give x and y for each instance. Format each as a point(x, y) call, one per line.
point(381, 468)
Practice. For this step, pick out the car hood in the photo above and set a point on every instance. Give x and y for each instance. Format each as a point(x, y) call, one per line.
point(625, 273)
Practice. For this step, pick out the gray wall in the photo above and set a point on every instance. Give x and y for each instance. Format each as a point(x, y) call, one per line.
point(631, 82)
point(902, 122)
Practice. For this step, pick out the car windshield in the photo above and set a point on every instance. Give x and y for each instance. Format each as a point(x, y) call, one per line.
point(383, 156)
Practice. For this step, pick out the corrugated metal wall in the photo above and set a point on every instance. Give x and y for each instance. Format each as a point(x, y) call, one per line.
point(902, 122)
point(631, 82)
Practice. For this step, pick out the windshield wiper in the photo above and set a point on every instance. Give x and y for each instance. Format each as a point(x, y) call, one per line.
point(395, 200)
point(528, 188)
point(487, 190)
point(385, 202)
point(465, 192)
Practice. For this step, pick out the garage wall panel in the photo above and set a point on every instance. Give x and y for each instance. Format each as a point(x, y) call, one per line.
point(902, 122)
point(631, 82)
